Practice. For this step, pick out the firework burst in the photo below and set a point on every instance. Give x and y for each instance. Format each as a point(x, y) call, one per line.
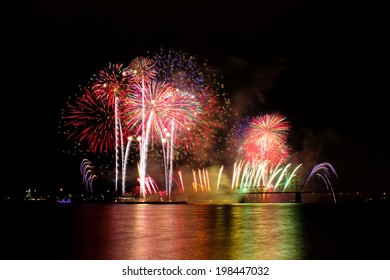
point(265, 139)
point(180, 69)
point(109, 83)
point(163, 104)
point(93, 121)
point(140, 69)
point(270, 129)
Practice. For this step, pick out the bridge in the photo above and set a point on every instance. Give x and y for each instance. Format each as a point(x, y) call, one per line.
point(298, 194)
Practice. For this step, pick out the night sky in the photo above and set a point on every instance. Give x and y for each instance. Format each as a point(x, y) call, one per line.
point(320, 63)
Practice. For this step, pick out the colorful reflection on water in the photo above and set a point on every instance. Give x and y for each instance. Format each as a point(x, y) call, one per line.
point(238, 231)
point(198, 231)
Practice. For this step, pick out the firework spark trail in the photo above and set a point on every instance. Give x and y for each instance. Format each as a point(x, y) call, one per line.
point(258, 171)
point(86, 180)
point(244, 179)
point(219, 177)
point(88, 174)
point(236, 174)
point(204, 181)
point(125, 161)
point(249, 172)
point(194, 184)
point(171, 159)
point(282, 174)
point(90, 182)
point(261, 173)
point(292, 175)
point(273, 174)
point(144, 155)
point(322, 170)
point(165, 150)
point(201, 184)
point(117, 128)
point(150, 185)
point(181, 180)
point(143, 150)
point(84, 166)
point(254, 171)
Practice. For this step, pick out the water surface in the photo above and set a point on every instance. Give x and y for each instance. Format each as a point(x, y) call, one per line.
point(275, 231)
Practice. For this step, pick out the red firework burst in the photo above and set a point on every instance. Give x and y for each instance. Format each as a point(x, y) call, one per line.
point(110, 83)
point(93, 121)
point(265, 139)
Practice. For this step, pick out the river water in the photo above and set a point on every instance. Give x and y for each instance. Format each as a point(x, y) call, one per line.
point(231, 231)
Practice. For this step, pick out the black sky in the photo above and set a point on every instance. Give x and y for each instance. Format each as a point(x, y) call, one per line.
point(320, 63)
